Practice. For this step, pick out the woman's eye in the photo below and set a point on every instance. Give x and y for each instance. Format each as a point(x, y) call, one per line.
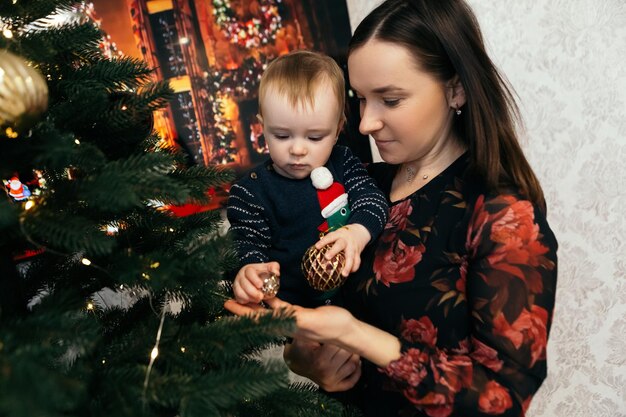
point(391, 102)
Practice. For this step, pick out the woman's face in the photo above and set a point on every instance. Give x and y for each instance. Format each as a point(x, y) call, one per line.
point(406, 110)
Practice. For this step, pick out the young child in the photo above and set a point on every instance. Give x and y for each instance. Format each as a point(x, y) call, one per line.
point(275, 211)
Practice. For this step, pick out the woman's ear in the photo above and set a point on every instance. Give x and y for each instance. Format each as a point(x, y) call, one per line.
point(455, 92)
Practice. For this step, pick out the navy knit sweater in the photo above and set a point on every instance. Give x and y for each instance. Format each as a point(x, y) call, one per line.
point(274, 218)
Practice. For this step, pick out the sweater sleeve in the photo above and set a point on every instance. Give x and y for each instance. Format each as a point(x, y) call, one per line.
point(368, 205)
point(510, 283)
point(249, 225)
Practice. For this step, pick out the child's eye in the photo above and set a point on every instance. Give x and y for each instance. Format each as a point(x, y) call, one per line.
point(316, 138)
point(281, 136)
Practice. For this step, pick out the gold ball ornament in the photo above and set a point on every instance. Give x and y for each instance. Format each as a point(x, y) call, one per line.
point(323, 274)
point(23, 93)
point(271, 285)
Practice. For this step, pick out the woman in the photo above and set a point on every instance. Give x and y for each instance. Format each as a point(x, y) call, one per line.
point(452, 312)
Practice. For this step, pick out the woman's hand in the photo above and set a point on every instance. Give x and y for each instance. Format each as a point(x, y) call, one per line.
point(332, 368)
point(334, 325)
point(326, 324)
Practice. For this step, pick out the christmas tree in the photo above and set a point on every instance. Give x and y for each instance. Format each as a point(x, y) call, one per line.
point(109, 304)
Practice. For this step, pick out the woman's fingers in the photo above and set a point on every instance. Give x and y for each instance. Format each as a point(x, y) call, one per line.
point(244, 309)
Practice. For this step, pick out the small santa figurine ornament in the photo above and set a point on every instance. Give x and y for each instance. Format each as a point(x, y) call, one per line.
point(17, 190)
point(333, 200)
point(321, 273)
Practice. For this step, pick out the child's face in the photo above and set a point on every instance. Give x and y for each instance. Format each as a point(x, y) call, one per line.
point(300, 139)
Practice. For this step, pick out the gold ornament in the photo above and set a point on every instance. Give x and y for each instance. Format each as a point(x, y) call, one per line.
point(23, 92)
point(323, 274)
point(271, 284)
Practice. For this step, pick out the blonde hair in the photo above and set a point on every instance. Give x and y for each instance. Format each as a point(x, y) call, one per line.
point(298, 74)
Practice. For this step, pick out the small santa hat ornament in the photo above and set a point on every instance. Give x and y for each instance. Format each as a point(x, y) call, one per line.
point(332, 197)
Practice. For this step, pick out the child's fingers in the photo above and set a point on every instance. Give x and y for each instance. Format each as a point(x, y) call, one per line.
point(326, 240)
point(335, 249)
point(252, 276)
point(273, 268)
point(347, 268)
point(240, 295)
point(251, 291)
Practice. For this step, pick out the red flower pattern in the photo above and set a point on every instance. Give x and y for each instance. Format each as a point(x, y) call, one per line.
point(419, 331)
point(494, 399)
point(399, 215)
point(397, 264)
point(504, 243)
point(517, 235)
point(529, 328)
point(485, 355)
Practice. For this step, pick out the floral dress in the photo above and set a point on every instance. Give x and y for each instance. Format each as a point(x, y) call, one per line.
point(466, 280)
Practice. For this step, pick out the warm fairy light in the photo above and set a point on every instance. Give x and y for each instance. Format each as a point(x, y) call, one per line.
point(182, 349)
point(171, 230)
point(184, 40)
point(112, 230)
point(124, 107)
point(104, 361)
point(76, 141)
point(145, 276)
point(154, 353)
point(90, 306)
point(85, 261)
point(155, 265)
point(7, 33)
point(11, 134)
point(29, 205)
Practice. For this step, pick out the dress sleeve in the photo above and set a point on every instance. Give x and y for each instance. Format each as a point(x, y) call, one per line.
point(510, 273)
point(368, 205)
point(249, 226)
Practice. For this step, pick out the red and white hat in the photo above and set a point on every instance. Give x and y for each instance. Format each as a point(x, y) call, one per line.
point(331, 194)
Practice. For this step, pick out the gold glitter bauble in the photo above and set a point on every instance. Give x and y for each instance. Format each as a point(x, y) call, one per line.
point(323, 274)
point(271, 285)
point(23, 92)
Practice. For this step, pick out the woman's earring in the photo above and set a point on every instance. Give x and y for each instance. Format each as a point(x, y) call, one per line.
point(457, 111)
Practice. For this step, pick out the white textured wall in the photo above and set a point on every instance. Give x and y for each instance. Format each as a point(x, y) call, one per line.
point(567, 61)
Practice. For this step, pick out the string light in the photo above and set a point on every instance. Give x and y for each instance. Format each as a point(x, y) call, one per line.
point(90, 306)
point(182, 349)
point(85, 261)
point(154, 353)
point(7, 33)
point(145, 276)
point(10, 133)
point(29, 205)
point(76, 141)
point(155, 265)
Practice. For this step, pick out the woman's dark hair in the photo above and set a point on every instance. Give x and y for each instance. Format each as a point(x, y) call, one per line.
point(445, 39)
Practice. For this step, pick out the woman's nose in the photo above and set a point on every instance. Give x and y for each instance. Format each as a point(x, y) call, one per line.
point(370, 122)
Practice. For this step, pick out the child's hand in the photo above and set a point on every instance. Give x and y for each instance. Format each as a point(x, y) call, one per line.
point(248, 283)
point(351, 240)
